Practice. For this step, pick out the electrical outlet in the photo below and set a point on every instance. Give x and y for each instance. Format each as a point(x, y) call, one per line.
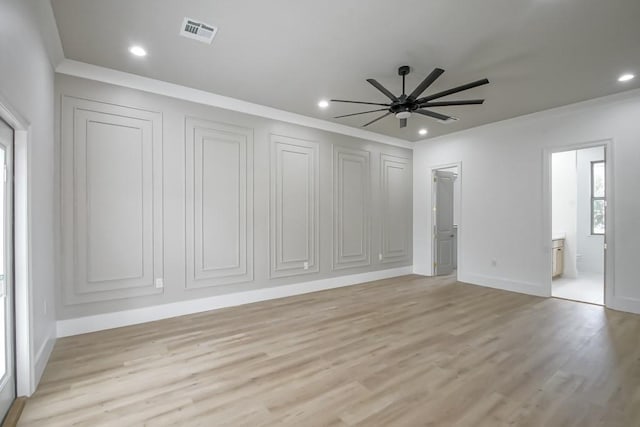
point(379, 257)
point(305, 265)
point(159, 283)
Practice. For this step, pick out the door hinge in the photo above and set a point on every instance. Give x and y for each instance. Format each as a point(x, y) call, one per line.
point(3, 286)
point(605, 246)
point(5, 172)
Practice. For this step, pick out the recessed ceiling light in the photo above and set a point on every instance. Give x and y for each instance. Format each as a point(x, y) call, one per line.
point(625, 77)
point(422, 131)
point(323, 103)
point(138, 51)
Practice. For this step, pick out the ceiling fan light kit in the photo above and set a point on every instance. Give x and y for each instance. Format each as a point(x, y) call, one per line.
point(403, 106)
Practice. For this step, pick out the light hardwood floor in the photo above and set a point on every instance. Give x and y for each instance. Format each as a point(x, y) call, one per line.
point(409, 351)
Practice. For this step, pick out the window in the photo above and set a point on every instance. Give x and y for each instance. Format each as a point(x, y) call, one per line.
point(597, 197)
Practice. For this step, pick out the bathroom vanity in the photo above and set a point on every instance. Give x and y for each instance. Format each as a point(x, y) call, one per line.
point(557, 248)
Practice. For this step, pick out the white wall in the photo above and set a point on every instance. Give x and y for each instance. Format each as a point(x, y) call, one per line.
point(590, 247)
point(502, 214)
point(564, 206)
point(29, 48)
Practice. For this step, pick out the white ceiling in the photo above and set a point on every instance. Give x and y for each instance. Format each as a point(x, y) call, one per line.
point(289, 54)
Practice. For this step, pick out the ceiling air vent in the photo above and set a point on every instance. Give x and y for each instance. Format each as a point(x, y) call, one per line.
point(198, 30)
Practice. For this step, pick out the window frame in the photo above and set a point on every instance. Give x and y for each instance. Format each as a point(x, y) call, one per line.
point(594, 198)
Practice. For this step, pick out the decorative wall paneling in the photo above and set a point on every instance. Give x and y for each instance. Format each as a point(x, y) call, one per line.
point(395, 209)
point(351, 207)
point(112, 201)
point(219, 203)
point(294, 210)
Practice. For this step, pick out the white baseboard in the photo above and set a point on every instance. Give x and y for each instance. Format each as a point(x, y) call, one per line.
point(629, 305)
point(82, 325)
point(626, 304)
point(504, 284)
point(41, 359)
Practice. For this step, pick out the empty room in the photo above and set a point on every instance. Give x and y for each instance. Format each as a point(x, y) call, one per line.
point(320, 213)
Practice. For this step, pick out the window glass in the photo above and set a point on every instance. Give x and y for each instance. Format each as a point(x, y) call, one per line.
point(598, 216)
point(598, 179)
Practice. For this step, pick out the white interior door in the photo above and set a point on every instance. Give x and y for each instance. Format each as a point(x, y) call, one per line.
point(444, 234)
point(7, 328)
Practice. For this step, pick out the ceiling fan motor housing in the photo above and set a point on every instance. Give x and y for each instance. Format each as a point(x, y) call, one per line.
point(404, 70)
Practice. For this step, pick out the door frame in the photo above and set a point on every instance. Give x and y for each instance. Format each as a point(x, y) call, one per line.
point(547, 212)
point(25, 374)
point(432, 171)
point(8, 381)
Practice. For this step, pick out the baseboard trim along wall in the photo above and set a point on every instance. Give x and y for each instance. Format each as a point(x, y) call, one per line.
point(625, 304)
point(99, 322)
point(629, 305)
point(42, 358)
point(504, 284)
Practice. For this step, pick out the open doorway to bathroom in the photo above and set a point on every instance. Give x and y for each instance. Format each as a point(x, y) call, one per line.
point(578, 200)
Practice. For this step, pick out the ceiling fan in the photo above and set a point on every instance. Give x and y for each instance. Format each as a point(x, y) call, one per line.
point(404, 106)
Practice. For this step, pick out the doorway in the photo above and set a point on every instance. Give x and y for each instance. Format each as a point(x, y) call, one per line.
point(7, 319)
point(446, 219)
point(579, 190)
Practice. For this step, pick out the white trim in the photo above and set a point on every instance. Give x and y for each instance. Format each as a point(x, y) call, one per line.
point(42, 357)
point(609, 279)
point(118, 319)
point(25, 378)
point(146, 84)
point(629, 305)
point(504, 284)
point(23, 309)
point(589, 103)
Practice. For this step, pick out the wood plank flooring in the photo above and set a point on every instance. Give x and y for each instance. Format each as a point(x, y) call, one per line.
point(409, 351)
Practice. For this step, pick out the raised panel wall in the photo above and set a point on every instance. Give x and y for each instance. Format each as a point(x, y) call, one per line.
point(112, 201)
point(395, 194)
point(219, 204)
point(351, 205)
point(294, 200)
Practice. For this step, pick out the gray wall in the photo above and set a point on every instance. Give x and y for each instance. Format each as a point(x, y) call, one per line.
point(27, 86)
point(213, 201)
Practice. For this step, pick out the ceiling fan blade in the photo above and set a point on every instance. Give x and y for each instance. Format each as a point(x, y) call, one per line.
point(375, 120)
point(428, 81)
point(382, 89)
point(454, 90)
point(403, 123)
point(433, 114)
point(448, 103)
point(355, 114)
point(359, 102)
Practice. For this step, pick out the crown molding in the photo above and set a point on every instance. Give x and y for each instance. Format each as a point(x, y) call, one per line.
point(540, 115)
point(159, 87)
